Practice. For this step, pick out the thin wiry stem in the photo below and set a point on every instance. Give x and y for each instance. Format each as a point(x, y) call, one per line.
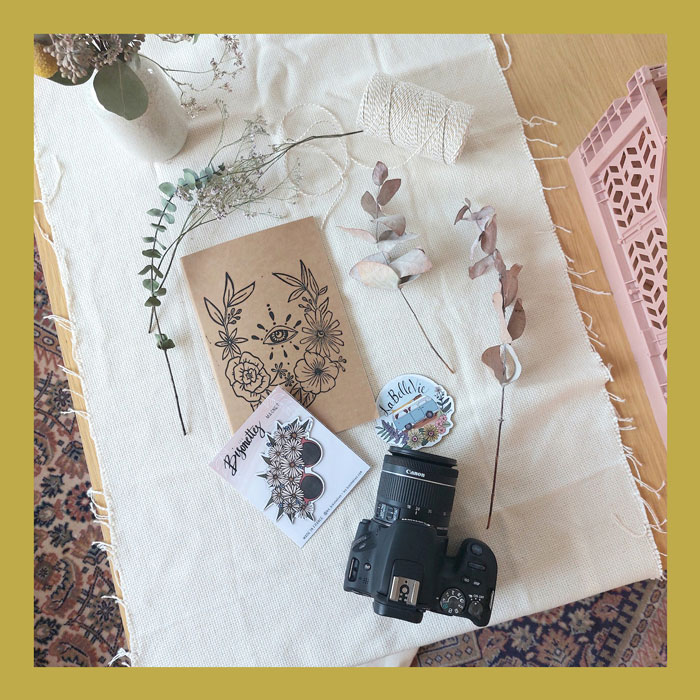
point(498, 450)
point(500, 417)
point(172, 381)
point(425, 335)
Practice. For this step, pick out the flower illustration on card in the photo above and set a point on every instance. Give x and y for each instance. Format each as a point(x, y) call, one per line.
point(315, 373)
point(248, 376)
point(322, 335)
point(313, 330)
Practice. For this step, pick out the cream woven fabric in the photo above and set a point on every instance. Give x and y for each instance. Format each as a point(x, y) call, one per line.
point(206, 580)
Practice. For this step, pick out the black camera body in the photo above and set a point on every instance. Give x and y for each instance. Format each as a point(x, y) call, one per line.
point(399, 557)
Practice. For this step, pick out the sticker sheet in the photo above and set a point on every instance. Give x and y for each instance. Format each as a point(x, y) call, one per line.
point(289, 465)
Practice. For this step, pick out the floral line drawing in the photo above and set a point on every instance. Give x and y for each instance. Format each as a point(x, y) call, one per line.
point(319, 333)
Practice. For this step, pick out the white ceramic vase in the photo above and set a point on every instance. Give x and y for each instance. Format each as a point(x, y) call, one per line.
point(161, 131)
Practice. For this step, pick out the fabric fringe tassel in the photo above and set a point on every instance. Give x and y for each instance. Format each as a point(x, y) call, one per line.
point(61, 321)
point(510, 55)
point(653, 524)
point(536, 120)
point(121, 654)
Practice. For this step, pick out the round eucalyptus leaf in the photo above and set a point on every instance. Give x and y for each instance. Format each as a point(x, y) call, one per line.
point(121, 91)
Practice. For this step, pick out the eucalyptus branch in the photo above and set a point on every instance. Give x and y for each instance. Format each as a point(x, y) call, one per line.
point(501, 358)
point(381, 269)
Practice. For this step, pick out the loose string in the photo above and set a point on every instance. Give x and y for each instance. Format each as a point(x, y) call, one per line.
point(61, 321)
point(510, 56)
point(341, 168)
point(532, 121)
point(122, 653)
point(547, 143)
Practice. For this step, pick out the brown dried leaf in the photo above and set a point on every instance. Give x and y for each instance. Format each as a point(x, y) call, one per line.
point(369, 204)
point(510, 284)
point(375, 274)
point(480, 267)
point(412, 264)
point(516, 323)
point(359, 233)
point(388, 190)
point(491, 357)
point(461, 213)
point(483, 217)
point(396, 222)
point(488, 237)
point(380, 173)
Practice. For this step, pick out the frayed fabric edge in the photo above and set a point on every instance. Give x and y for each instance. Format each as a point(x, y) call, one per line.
point(643, 506)
point(103, 514)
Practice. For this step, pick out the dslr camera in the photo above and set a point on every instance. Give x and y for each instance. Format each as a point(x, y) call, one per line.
point(399, 557)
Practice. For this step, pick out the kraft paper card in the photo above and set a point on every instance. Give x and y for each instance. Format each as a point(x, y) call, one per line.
point(271, 315)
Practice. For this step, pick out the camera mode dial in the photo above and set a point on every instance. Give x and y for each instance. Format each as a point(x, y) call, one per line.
point(452, 601)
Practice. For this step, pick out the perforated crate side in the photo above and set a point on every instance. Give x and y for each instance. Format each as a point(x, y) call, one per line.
point(620, 173)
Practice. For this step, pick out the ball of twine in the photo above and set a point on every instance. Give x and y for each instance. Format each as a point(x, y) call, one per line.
point(421, 120)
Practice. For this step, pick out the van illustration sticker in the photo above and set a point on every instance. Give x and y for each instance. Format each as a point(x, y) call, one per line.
point(414, 412)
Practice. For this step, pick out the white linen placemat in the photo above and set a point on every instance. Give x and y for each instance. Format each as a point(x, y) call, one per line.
point(206, 581)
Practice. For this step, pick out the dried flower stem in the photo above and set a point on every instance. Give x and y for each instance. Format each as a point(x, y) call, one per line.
point(498, 450)
point(496, 357)
point(381, 269)
point(425, 335)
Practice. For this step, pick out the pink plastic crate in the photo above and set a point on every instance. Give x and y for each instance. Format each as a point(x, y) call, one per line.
point(620, 173)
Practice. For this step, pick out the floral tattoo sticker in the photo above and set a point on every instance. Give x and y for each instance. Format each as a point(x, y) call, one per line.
point(290, 457)
point(414, 412)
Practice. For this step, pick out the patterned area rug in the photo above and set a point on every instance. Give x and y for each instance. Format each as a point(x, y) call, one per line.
point(624, 627)
point(75, 626)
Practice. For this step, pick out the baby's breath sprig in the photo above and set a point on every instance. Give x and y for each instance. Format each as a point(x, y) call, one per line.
point(212, 194)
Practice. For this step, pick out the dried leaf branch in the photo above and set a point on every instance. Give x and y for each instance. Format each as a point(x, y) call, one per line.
point(381, 269)
point(501, 358)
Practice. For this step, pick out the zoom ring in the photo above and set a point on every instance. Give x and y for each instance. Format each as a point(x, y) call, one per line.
point(408, 491)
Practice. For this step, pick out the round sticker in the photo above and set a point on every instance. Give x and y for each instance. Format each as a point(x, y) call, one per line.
point(414, 412)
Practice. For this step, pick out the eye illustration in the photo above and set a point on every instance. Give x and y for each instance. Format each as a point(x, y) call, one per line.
point(279, 334)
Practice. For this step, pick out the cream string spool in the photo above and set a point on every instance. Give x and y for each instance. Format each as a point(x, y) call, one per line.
point(421, 120)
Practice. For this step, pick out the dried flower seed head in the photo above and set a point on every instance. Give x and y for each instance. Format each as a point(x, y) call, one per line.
point(44, 63)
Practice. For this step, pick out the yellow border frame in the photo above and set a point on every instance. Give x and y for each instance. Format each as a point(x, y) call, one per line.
point(359, 16)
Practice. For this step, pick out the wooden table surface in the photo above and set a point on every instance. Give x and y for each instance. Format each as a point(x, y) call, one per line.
point(571, 79)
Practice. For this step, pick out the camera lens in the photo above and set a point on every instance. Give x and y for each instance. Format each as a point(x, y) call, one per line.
point(416, 486)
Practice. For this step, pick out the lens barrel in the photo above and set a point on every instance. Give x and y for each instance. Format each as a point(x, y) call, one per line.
point(416, 486)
